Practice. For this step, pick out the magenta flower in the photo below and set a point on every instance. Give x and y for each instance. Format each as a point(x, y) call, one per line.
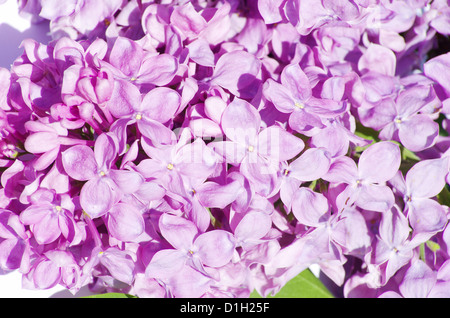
point(150, 112)
point(200, 251)
point(256, 151)
point(311, 165)
point(15, 249)
point(393, 248)
point(422, 182)
point(105, 186)
point(51, 216)
point(418, 282)
point(294, 96)
point(128, 61)
point(366, 181)
point(406, 118)
point(52, 268)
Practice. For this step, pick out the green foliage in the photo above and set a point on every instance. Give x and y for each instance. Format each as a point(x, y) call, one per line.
point(304, 285)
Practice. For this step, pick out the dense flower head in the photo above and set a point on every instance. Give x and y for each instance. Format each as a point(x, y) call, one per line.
point(211, 148)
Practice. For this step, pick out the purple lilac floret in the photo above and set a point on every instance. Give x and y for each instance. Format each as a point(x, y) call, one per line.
point(212, 148)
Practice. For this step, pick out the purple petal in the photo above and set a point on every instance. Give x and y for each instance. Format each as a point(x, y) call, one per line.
point(419, 132)
point(279, 95)
point(158, 70)
point(342, 169)
point(41, 142)
point(12, 252)
point(188, 282)
point(232, 152)
point(236, 71)
point(311, 165)
point(156, 132)
point(303, 122)
point(271, 10)
point(379, 59)
point(215, 248)
point(201, 53)
point(214, 108)
point(214, 195)
point(119, 264)
point(241, 122)
point(79, 163)
point(98, 195)
point(160, 104)
point(426, 178)
point(253, 226)
point(127, 181)
point(35, 213)
point(287, 190)
point(309, 207)
point(47, 230)
point(433, 69)
point(261, 173)
point(46, 275)
point(178, 231)
point(295, 81)
point(278, 144)
point(196, 160)
point(411, 100)
point(426, 216)
point(126, 55)
point(375, 198)
point(380, 162)
point(124, 98)
point(165, 264)
point(105, 151)
point(394, 228)
point(125, 222)
point(418, 281)
point(188, 20)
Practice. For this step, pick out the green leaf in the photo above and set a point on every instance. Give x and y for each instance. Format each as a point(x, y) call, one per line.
point(110, 295)
point(444, 196)
point(304, 285)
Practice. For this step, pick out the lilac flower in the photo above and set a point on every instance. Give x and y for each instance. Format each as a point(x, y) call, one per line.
point(149, 112)
point(130, 62)
point(51, 216)
point(52, 268)
point(15, 249)
point(393, 248)
point(366, 181)
point(311, 165)
point(257, 151)
point(418, 282)
point(237, 71)
point(405, 119)
point(424, 181)
point(199, 251)
point(294, 95)
point(105, 186)
point(111, 261)
point(77, 18)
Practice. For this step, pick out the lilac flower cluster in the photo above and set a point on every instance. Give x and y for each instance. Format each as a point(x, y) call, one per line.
point(210, 148)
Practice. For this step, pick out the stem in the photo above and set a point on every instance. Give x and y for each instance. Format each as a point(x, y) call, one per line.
point(93, 229)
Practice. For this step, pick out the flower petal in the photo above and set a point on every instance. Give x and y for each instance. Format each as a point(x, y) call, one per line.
point(125, 222)
point(79, 163)
point(178, 231)
point(380, 162)
point(215, 248)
